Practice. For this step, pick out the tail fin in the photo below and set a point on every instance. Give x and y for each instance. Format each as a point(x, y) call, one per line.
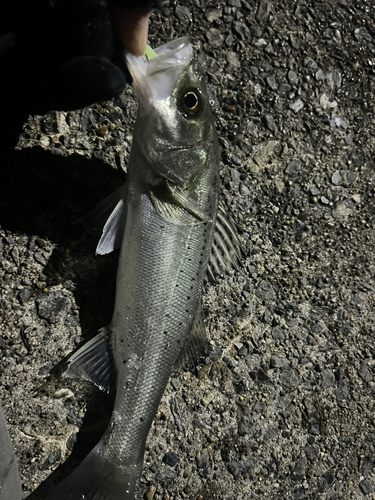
point(96, 479)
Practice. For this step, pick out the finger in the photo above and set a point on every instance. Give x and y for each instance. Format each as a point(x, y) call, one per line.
point(131, 27)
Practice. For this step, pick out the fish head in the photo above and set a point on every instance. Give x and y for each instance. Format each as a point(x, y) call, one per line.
point(174, 127)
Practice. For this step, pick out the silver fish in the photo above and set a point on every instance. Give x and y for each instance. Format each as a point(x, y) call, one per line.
point(10, 483)
point(165, 219)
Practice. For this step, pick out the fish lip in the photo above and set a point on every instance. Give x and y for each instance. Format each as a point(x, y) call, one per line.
point(154, 80)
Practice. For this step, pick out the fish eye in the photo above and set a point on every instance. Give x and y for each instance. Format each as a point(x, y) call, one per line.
point(191, 102)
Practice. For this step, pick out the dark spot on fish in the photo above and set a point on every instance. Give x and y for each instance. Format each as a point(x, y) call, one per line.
point(141, 419)
point(165, 332)
point(188, 298)
point(176, 285)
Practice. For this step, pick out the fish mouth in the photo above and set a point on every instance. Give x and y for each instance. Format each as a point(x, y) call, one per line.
point(155, 79)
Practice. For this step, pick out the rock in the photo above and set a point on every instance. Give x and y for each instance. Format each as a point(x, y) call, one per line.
point(284, 87)
point(265, 291)
point(296, 105)
point(184, 14)
point(277, 362)
point(235, 468)
point(310, 63)
point(270, 123)
point(342, 392)
point(241, 29)
point(233, 59)
point(312, 452)
point(214, 37)
point(362, 34)
point(53, 307)
point(299, 471)
point(294, 168)
point(365, 373)
point(366, 487)
point(203, 462)
point(336, 178)
point(263, 11)
point(292, 77)
point(170, 458)
point(24, 295)
point(328, 378)
point(271, 82)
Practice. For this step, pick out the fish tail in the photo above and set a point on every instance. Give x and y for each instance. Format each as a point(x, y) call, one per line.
point(97, 479)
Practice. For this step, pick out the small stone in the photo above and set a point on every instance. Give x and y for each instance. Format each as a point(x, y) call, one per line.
point(351, 177)
point(300, 469)
point(101, 131)
point(203, 462)
point(342, 392)
point(270, 123)
point(284, 87)
point(212, 15)
point(292, 77)
point(184, 14)
point(294, 168)
point(233, 59)
point(296, 105)
point(235, 468)
point(366, 487)
point(242, 30)
point(263, 11)
point(324, 200)
point(310, 63)
point(312, 452)
point(365, 373)
point(254, 70)
point(362, 34)
point(356, 197)
point(277, 362)
point(314, 430)
point(265, 291)
point(271, 82)
point(149, 495)
point(244, 190)
point(24, 295)
point(319, 75)
point(214, 37)
point(53, 307)
point(328, 378)
point(336, 178)
point(170, 458)
point(52, 458)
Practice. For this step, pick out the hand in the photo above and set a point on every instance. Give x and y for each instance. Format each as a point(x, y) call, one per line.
point(58, 54)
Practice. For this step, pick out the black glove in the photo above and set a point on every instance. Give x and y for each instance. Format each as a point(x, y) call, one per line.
point(58, 54)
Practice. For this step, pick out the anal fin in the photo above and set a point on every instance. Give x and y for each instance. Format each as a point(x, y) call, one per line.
point(93, 362)
point(197, 343)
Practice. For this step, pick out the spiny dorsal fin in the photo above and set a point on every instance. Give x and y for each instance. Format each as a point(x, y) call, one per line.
point(93, 362)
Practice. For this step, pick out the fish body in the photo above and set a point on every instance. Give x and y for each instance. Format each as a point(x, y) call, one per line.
point(10, 483)
point(166, 213)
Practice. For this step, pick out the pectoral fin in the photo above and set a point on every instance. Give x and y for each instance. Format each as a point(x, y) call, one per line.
point(93, 362)
point(108, 220)
point(174, 205)
point(197, 343)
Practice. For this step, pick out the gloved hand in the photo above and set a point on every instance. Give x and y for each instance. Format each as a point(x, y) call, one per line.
point(62, 54)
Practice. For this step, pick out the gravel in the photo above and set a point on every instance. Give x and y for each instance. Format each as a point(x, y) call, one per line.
point(283, 407)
